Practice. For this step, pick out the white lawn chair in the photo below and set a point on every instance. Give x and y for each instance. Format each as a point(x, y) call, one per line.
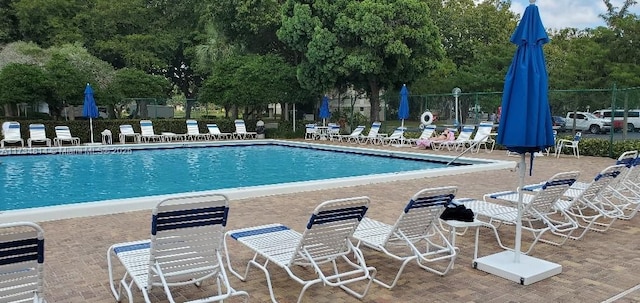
point(11, 133)
point(37, 135)
point(482, 138)
point(572, 144)
point(334, 131)
point(184, 249)
point(310, 132)
point(147, 134)
point(63, 134)
point(397, 137)
point(193, 131)
point(426, 134)
point(216, 134)
point(373, 137)
point(126, 131)
point(355, 135)
point(539, 213)
point(415, 236)
point(21, 262)
point(461, 140)
point(241, 131)
point(325, 240)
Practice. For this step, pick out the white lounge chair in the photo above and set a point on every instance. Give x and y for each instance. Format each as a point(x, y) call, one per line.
point(21, 262)
point(184, 249)
point(37, 135)
point(241, 131)
point(310, 132)
point(415, 236)
point(193, 131)
point(11, 133)
point(397, 137)
point(426, 134)
point(147, 134)
point(216, 134)
point(482, 138)
point(334, 131)
point(539, 213)
point(63, 134)
point(126, 131)
point(325, 240)
point(355, 135)
point(461, 140)
point(373, 137)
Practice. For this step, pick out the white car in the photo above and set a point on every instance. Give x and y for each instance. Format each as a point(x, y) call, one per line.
point(585, 121)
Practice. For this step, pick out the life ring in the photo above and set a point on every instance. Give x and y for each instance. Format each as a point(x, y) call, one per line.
point(425, 115)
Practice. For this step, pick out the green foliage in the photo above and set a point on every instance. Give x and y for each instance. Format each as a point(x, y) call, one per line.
point(251, 80)
point(134, 83)
point(23, 83)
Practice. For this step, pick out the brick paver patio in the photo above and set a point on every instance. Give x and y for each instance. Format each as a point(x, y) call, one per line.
point(596, 268)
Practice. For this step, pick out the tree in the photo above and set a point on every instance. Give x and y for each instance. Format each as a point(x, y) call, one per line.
point(22, 83)
point(136, 84)
point(374, 44)
point(251, 81)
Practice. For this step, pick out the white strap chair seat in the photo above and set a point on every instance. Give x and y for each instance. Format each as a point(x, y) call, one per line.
point(325, 240)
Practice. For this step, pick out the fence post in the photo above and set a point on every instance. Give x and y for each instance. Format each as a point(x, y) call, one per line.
point(613, 107)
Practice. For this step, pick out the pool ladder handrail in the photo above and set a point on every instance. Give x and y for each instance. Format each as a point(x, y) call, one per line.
point(474, 144)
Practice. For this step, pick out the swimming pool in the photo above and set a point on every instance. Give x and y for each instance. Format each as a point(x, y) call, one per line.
point(78, 175)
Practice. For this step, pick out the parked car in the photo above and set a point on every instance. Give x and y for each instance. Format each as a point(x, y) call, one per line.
point(559, 123)
point(585, 121)
point(633, 118)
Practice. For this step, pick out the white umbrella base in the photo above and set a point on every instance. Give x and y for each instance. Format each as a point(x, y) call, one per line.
point(528, 271)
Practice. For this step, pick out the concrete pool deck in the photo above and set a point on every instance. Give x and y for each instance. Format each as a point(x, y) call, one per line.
point(599, 267)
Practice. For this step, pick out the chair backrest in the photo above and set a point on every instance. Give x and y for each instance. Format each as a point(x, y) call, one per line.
point(36, 131)
point(422, 212)
point(329, 230)
point(373, 131)
point(192, 127)
point(146, 128)
point(214, 129)
point(127, 129)
point(186, 237)
point(465, 133)
point(13, 131)
point(358, 131)
point(428, 131)
point(397, 133)
point(21, 262)
point(334, 129)
point(552, 190)
point(63, 132)
point(600, 182)
point(577, 137)
point(311, 129)
point(241, 128)
point(484, 131)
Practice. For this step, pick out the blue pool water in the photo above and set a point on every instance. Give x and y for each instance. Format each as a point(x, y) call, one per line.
point(44, 180)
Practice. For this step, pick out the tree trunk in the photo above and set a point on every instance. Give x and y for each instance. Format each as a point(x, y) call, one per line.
point(374, 99)
point(8, 110)
point(143, 111)
point(188, 107)
point(284, 107)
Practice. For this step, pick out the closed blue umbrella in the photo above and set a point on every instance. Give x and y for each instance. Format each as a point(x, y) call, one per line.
point(525, 125)
point(89, 108)
point(403, 110)
point(324, 110)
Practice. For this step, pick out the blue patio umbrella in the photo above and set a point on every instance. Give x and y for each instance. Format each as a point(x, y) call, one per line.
point(324, 110)
point(525, 123)
point(403, 110)
point(89, 108)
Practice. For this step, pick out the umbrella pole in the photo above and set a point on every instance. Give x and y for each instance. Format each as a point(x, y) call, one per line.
point(521, 170)
point(91, 128)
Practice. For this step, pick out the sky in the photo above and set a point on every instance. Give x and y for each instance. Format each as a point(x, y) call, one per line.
point(580, 14)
